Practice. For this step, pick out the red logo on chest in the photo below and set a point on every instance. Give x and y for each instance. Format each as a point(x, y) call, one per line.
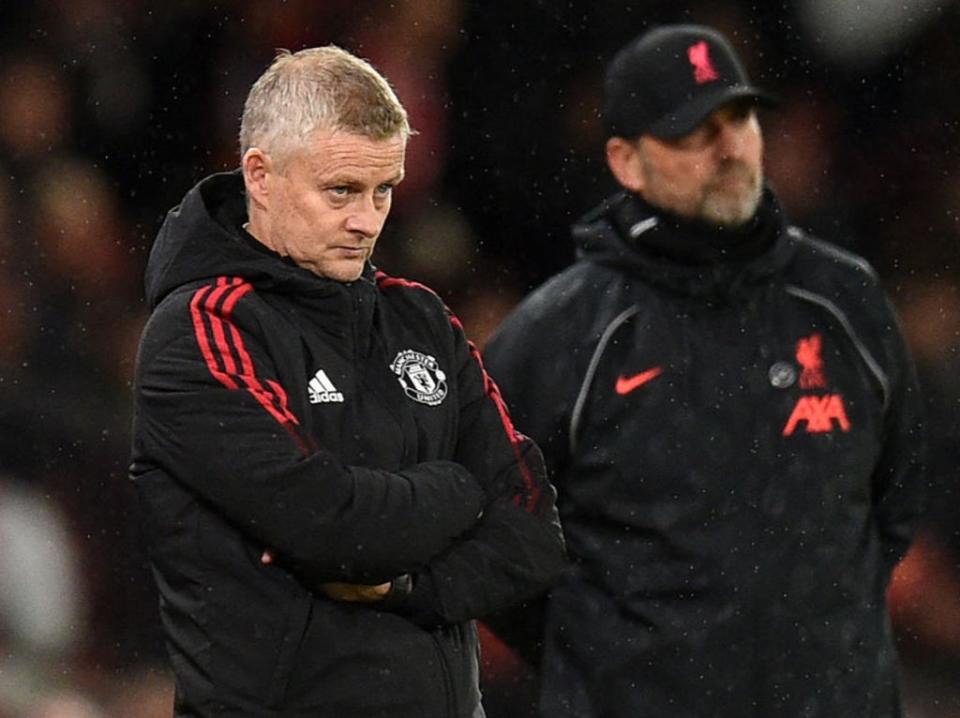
point(699, 56)
point(808, 357)
point(818, 413)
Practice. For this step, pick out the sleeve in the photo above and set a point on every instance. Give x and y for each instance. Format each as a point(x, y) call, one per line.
point(899, 481)
point(211, 414)
point(537, 377)
point(516, 550)
point(538, 384)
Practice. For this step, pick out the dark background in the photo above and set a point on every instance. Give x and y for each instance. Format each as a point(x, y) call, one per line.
point(111, 109)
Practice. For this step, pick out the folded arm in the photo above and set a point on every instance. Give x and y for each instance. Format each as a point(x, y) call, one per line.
point(218, 422)
point(516, 550)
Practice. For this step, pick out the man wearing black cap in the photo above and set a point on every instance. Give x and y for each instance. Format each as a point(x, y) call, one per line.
point(730, 415)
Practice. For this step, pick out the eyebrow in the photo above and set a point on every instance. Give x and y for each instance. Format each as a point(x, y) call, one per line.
point(343, 181)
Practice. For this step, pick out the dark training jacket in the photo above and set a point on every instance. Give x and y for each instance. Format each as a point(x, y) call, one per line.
point(733, 425)
point(350, 428)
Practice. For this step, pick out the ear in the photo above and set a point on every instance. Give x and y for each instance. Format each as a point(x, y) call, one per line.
point(257, 167)
point(626, 163)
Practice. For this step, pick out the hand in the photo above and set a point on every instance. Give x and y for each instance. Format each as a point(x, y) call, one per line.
point(356, 592)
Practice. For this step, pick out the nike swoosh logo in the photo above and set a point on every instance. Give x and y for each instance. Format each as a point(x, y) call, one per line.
point(627, 384)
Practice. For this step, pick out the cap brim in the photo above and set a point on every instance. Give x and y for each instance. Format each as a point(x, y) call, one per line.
point(685, 120)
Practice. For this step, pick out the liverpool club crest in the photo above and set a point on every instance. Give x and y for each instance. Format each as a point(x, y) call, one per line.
point(420, 376)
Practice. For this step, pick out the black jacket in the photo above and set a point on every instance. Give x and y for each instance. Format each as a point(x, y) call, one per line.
point(351, 429)
point(732, 422)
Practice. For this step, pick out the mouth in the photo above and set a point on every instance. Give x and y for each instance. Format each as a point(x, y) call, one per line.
point(734, 176)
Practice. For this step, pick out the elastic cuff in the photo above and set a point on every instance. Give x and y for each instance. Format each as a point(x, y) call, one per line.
point(400, 588)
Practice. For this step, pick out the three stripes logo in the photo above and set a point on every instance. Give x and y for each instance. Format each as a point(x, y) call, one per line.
point(322, 391)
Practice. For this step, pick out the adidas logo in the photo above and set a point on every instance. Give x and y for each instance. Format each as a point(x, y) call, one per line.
point(322, 391)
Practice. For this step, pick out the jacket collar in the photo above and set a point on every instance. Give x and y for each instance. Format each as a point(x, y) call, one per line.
point(685, 256)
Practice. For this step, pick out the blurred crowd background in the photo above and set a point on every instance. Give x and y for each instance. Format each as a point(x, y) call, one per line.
point(111, 109)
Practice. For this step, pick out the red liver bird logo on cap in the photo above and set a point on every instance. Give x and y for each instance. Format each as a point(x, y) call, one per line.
point(699, 56)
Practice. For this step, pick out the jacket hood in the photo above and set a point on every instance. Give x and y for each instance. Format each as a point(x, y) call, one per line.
point(683, 255)
point(203, 237)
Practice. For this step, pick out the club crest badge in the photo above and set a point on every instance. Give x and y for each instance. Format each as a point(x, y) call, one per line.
point(703, 69)
point(808, 356)
point(420, 376)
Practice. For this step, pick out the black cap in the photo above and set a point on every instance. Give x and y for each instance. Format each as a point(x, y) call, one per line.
point(668, 80)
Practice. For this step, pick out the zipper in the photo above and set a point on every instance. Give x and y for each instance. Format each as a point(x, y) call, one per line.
point(581, 401)
point(445, 676)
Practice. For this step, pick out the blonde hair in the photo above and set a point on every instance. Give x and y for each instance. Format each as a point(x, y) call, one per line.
point(320, 88)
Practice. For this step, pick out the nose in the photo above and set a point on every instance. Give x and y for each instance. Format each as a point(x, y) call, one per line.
point(731, 140)
point(366, 218)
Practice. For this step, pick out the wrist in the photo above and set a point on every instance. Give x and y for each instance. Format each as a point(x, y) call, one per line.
point(400, 588)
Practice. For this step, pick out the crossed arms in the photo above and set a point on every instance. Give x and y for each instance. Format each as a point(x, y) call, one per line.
point(476, 532)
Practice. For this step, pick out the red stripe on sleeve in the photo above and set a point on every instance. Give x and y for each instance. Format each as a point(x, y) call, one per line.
point(226, 338)
point(201, 333)
point(248, 374)
point(492, 391)
point(236, 296)
point(384, 280)
point(217, 326)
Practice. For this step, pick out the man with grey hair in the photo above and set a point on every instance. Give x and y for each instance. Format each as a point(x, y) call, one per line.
point(730, 415)
point(333, 489)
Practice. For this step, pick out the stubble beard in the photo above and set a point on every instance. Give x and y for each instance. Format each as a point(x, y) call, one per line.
point(716, 204)
point(734, 206)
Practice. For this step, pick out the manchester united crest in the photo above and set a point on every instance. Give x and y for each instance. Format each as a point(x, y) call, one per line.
point(420, 376)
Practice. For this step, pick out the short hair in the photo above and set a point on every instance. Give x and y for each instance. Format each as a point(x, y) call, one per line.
point(320, 88)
